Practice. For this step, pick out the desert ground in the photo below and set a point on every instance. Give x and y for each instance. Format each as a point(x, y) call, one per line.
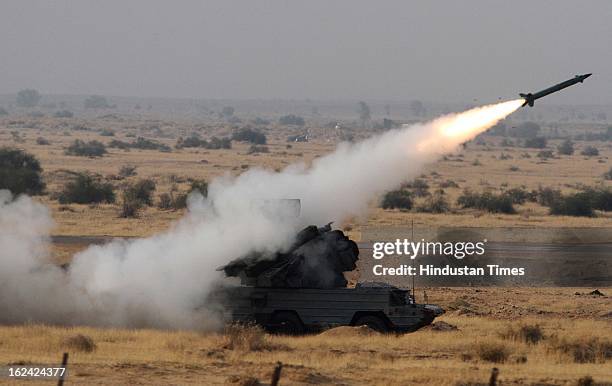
point(482, 165)
point(552, 336)
point(494, 325)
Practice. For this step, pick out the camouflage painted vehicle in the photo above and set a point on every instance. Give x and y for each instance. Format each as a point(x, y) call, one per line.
point(301, 310)
point(303, 289)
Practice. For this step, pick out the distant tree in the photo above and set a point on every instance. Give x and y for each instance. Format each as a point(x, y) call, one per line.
point(499, 129)
point(536, 142)
point(20, 172)
point(28, 98)
point(566, 147)
point(524, 130)
point(3, 111)
point(608, 175)
point(590, 151)
point(227, 112)
point(96, 102)
point(417, 108)
point(364, 112)
point(260, 121)
point(63, 114)
point(291, 120)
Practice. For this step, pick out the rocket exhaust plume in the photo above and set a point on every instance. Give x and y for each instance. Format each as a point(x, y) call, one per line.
point(161, 281)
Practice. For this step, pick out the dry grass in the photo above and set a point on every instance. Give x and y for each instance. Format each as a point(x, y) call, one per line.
point(528, 333)
point(576, 344)
point(496, 352)
point(244, 337)
point(79, 342)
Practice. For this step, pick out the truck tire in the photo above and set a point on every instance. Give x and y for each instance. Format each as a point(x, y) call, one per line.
point(374, 322)
point(287, 323)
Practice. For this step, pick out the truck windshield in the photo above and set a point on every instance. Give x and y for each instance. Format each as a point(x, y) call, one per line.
point(397, 298)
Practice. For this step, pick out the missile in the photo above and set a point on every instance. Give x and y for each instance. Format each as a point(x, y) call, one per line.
point(531, 97)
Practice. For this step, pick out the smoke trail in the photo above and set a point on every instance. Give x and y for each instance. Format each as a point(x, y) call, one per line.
point(160, 281)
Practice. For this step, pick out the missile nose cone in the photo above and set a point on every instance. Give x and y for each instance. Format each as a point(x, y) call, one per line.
point(586, 75)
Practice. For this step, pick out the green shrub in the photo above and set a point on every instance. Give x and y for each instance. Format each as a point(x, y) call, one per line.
point(608, 175)
point(517, 195)
point(600, 198)
point(249, 135)
point(127, 171)
point(165, 201)
point(528, 333)
point(148, 144)
point(258, 149)
point(435, 204)
point(492, 352)
point(200, 186)
point(291, 120)
point(195, 141)
point(590, 151)
point(142, 191)
point(547, 196)
point(42, 141)
point(566, 147)
point(544, 154)
point(577, 204)
point(397, 199)
point(536, 142)
point(130, 205)
point(85, 189)
point(448, 184)
point(419, 187)
point(20, 172)
point(139, 143)
point(86, 149)
point(486, 201)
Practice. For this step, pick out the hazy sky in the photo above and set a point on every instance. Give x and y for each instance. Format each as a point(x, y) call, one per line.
point(386, 50)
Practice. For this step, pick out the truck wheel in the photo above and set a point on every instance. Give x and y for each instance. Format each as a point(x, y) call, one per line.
point(287, 323)
point(374, 322)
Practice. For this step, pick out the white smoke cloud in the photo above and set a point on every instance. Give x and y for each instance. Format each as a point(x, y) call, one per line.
point(162, 280)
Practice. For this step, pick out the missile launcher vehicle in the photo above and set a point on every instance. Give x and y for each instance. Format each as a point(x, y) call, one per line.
point(303, 290)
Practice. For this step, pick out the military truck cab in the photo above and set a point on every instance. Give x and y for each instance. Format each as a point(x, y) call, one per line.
point(301, 310)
